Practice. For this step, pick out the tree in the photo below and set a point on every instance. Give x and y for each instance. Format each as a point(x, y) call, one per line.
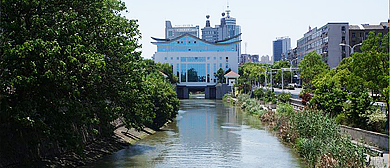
point(67, 70)
point(220, 75)
point(372, 65)
point(167, 70)
point(311, 66)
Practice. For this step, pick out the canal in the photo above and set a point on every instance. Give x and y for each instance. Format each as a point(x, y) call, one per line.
point(206, 133)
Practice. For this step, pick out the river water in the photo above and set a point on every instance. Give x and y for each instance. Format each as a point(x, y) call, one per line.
point(206, 133)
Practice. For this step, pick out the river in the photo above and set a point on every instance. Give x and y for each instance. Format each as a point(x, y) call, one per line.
point(206, 133)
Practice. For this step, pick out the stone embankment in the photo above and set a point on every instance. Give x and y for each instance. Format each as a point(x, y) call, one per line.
point(121, 139)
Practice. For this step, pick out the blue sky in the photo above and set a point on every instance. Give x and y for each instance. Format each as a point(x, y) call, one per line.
point(261, 21)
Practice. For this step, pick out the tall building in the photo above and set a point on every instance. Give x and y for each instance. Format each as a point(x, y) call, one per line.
point(173, 32)
point(325, 41)
point(358, 33)
point(226, 30)
point(280, 47)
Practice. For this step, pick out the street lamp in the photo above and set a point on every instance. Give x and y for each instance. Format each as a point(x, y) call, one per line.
point(342, 44)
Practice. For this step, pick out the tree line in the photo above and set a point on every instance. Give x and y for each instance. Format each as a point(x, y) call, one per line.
point(68, 69)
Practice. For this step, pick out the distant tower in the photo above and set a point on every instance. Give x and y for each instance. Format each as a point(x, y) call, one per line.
point(207, 21)
point(245, 47)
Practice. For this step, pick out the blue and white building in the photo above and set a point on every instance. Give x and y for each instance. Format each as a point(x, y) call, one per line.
point(195, 61)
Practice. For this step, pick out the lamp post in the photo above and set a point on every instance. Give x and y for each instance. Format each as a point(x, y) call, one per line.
point(342, 44)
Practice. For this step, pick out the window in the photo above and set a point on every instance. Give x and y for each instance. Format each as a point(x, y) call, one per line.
point(177, 58)
point(189, 41)
point(178, 42)
point(165, 58)
point(220, 65)
point(208, 58)
point(343, 28)
point(220, 58)
point(353, 35)
point(171, 58)
point(181, 41)
point(227, 65)
point(215, 58)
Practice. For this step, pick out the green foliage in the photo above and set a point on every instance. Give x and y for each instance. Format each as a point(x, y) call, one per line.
point(70, 68)
point(220, 75)
point(251, 105)
point(357, 106)
point(311, 66)
point(277, 78)
point(320, 143)
point(372, 65)
point(167, 70)
point(284, 109)
point(284, 97)
point(259, 94)
point(329, 97)
point(270, 96)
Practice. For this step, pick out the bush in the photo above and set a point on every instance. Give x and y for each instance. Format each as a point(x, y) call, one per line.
point(270, 96)
point(284, 97)
point(320, 142)
point(258, 93)
point(284, 109)
point(306, 97)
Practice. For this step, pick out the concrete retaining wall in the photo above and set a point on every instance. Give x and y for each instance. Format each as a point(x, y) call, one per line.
point(371, 138)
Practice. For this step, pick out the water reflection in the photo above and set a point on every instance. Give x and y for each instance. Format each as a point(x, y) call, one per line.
point(206, 134)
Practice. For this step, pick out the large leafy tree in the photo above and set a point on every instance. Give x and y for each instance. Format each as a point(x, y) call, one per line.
point(372, 64)
point(311, 66)
point(68, 69)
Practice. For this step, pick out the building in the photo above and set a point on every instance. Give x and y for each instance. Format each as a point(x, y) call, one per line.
point(226, 30)
point(173, 32)
point(358, 33)
point(195, 61)
point(244, 58)
point(326, 41)
point(265, 59)
point(280, 47)
point(292, 57)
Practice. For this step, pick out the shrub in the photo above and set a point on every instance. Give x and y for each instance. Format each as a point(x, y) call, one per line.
point(284, 97)
point(258, 93)
point(320, 142)
point(284, 109)
point(306, 97)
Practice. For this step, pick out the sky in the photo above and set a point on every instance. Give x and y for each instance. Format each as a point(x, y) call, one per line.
point(261, 21)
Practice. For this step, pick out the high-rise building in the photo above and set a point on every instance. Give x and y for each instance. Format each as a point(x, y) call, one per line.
point(325, 41)
point(265, 59)
point(227, 29)
point(358, 33)
point(173, 32)
point(280, 47)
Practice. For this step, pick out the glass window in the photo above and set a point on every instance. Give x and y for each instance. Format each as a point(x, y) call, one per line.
point(177, 58)
point(171, 58)
point(220, 58)
point(177, 70)
point(215, 68)
point(183, 59)
point(196, 73)
point(183, 73)
point(208, 73)
point(165, 58)
point(227, 66)
point(215, 58)
point(220, 65)
point(208, 58)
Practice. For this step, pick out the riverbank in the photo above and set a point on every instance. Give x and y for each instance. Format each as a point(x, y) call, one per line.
point(121, 138)
point(315, 136)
